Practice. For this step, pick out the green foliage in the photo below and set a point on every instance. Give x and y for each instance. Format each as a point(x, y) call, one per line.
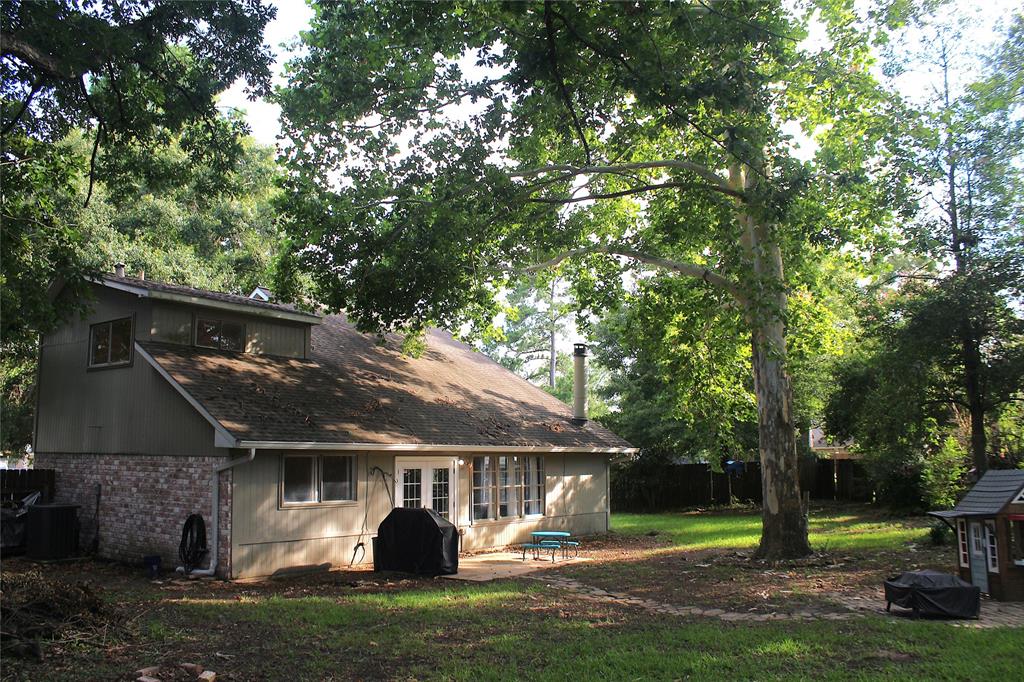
point(136, 75)
point(172, 222)
point(940, 534)
point(944, 474)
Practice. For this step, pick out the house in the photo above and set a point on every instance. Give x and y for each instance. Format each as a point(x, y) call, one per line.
point(299, 431)
point(989, 526)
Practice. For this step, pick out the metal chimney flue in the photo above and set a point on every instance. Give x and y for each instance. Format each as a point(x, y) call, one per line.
point(579, 384)
point(119, 269)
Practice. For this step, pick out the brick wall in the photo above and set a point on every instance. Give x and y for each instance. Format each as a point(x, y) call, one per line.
point(144, 502)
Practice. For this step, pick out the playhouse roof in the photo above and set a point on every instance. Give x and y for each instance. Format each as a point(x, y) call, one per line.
point(990, 494)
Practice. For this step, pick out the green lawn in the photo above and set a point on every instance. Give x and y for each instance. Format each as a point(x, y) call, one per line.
point(831, 530)
point(352, 627)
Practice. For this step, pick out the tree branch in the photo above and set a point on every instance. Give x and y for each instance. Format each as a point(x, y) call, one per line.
point(695, 168)
point(34, 56)
point(24, 106)
point(633, 190)
point(686, 269)
point(549, 26)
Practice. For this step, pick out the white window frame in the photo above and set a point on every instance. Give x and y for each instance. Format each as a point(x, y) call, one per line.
point(318, 479)
point(991, 546)
point(965, 549)
point(516, 502)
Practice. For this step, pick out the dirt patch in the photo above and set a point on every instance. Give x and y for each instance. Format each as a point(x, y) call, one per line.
point(36, 609)
point(737, 582)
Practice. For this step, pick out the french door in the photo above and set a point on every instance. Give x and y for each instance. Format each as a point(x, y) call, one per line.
point(426, 483)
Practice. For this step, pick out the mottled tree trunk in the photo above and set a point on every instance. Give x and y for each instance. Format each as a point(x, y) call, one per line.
point(784, 526)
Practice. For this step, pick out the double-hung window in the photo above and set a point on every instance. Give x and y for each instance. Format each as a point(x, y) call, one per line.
point(507, 487)
point(110, 343)
point(219, 334)
point(317, 479)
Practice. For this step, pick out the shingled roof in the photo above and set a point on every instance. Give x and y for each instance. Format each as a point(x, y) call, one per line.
point(355, 390)
point(990, 494)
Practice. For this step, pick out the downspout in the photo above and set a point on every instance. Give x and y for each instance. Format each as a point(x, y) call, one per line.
point(215, 513)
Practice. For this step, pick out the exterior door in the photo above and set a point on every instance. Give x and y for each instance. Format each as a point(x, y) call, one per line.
point(979, 560)
point(421, 483)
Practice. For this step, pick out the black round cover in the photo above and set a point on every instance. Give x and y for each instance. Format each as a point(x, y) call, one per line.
point(417, 541)
point(934, 593)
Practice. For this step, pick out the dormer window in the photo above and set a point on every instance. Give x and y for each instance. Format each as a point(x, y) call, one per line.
point(110, 343)
point(220, 334)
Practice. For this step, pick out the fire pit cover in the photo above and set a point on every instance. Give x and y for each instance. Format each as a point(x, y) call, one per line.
point(934, 593)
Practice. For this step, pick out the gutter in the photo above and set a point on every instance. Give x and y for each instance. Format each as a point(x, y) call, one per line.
point(215, 513)
point(423, 447)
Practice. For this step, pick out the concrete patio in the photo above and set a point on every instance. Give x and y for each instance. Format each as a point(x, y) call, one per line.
point(501, 565)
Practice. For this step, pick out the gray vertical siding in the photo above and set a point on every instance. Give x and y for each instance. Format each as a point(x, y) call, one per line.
point(172, 323)
point(129, 410)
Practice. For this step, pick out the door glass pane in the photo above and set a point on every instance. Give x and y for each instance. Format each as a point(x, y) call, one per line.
point(100, 345)
point(337, 481)
point(439, 491)
point(411, 492)
point(299, 479)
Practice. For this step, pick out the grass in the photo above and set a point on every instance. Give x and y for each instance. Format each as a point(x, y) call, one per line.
point(441, 630)
point(836, 530)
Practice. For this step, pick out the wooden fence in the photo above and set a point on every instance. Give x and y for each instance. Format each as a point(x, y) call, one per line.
point(683, 486)
point(17, 483)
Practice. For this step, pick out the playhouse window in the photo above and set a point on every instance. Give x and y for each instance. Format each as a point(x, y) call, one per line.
point(961, 532)
point(110, 343)
point(993, 554)
point(1017, 541)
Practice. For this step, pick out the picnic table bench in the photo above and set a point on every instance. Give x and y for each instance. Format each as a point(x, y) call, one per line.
point(553, 540)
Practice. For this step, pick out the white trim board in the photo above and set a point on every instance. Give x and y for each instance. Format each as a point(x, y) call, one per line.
point(423, 447)
point(258, 311)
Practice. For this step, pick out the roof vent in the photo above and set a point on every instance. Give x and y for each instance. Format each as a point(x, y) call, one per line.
point(119, 269)
point(261, 293)
point(141, 274)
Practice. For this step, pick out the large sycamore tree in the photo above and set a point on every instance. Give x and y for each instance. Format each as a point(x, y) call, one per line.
point(442, 150)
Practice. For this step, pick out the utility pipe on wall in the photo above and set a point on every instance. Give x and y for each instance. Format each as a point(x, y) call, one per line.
point(215, 513)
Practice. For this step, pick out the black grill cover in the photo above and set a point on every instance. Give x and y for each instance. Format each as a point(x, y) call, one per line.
point(934, 593)
point(417, 541)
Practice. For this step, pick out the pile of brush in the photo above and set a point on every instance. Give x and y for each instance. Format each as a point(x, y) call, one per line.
point(35, 608)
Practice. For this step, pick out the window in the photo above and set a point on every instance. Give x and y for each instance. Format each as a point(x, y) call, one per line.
point(220, 334)
point(533, 486)
point(1017, 540)
point(110, 343)
point(506, 487)
point(961, 532)
point(993, 555)
point(314, 479)
point(337, 479)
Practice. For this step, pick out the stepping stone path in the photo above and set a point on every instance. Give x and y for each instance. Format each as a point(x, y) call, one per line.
point(993, 614)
